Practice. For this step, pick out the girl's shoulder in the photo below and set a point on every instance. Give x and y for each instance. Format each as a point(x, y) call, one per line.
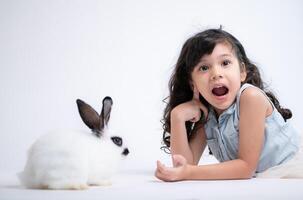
point(250, 95)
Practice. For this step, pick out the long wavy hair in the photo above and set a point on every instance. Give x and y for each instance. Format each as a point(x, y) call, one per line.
point(180, 90)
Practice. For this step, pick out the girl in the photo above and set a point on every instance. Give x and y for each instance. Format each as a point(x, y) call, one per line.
point(217, 98)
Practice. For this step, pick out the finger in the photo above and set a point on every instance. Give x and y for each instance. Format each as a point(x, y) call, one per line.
point(165, 171)
point(158, 174)
point(196, 116)
point(196, 96)
point(161, 176)
point(204, 110)
point(159, 165)
point(196, 93)
point(176, 161)
point(161, 168)
point(195, 119)
point(179, 160)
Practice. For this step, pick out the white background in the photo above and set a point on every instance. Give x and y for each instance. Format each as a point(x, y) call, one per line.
point(53, 52)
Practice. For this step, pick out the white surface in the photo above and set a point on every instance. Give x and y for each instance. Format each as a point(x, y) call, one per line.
point(138, 182)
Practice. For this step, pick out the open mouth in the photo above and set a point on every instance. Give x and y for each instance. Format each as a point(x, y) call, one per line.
point(220, 91)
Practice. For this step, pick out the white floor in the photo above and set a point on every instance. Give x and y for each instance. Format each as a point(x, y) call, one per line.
point(139, 183)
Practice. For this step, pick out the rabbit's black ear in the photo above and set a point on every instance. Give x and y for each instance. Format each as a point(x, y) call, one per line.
point(105, 112)
point(89, 116)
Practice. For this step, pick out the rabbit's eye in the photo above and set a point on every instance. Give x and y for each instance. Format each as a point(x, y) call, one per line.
point(117, 141)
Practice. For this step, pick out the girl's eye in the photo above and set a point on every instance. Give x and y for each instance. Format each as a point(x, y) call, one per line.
point(226, 62)
point(203, 68)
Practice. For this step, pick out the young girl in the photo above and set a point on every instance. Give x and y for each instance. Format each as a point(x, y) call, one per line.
point(217, 98)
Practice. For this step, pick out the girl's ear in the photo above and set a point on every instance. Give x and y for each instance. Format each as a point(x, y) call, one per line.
point(243, 72)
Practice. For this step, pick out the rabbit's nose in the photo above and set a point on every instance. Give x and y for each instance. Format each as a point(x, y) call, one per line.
point(125, 152)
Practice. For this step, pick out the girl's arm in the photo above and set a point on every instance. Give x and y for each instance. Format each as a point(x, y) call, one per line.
point(254, 107)
point(189, 111)
point(191, 150)
point(197, 144)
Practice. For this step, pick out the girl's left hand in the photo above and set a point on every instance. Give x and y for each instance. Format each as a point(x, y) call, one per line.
point(170, 174)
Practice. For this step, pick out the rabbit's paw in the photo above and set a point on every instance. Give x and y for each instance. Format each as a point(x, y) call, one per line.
point(66, 187)
point(101, 183)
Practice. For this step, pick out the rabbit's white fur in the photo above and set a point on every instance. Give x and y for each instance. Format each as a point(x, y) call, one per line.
point(71, 160)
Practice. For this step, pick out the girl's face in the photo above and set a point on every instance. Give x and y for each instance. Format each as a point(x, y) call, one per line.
point(218, 77)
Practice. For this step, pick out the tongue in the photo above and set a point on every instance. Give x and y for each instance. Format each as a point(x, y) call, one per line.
point(220, 91)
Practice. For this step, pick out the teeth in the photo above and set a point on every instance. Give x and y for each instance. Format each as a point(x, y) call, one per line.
point(218, 86)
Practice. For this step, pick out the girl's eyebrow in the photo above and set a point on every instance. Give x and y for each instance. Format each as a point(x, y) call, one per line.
point(222, 55)
point(226, 54)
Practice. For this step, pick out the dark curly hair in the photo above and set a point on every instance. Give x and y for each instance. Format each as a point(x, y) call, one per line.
point(180, 90)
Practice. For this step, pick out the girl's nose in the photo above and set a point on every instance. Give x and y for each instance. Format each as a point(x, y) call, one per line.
point(216, 73)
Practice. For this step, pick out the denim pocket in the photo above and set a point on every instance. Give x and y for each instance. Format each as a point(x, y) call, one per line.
point(232, 145)
point(215, 149)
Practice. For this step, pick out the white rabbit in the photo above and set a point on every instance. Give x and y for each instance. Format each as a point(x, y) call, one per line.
point(75, 159)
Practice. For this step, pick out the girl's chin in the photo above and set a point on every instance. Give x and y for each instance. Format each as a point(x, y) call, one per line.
point(220, 111)
point(220, 108)
point(221, 103)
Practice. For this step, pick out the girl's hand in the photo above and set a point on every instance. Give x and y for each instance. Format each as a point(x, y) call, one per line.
point(170, 174)
point(191, 110)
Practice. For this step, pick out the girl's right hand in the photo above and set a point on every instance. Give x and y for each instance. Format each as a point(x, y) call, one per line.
point(191, 110)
